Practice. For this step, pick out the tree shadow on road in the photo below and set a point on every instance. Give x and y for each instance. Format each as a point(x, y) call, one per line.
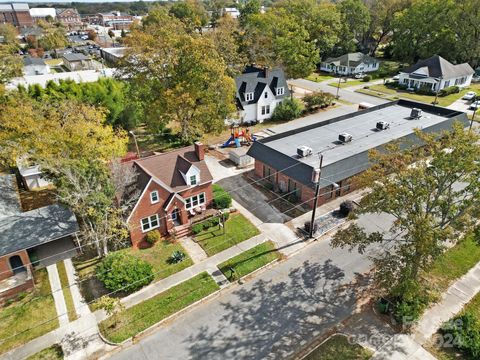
point(281, 316)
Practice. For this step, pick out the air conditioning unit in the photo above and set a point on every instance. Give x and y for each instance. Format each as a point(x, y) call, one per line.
point(416, 113)
point(304, 151)
point(382, 125)
point(345, 137)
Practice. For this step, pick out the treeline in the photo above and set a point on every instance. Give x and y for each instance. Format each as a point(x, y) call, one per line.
point(106, 93)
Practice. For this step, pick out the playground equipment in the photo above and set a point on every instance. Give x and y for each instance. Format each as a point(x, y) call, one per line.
point(239, 137)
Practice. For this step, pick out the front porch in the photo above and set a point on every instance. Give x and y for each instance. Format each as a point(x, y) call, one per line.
point(21, 281)
point(183, 229)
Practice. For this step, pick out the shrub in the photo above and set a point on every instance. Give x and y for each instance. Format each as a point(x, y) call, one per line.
point(152, 237)
point(367, 78)
point(465, 330)
point(318, 99)
point(346, 207)
point(214, 221)
point(221, 198)
point(425, 90)
point(124, 272)
point(287, 110)
point(226, 215)
point(366, 87)
point(176, 257)
point(197, 228)
point(449, 90)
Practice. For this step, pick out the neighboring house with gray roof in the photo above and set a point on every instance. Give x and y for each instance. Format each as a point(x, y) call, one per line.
point(35, 66)
point(77, 61)
point(172, 188)
point(259, 91)
point(289, 160)
point(350, 64)
point(437, 74)
point(30, 239)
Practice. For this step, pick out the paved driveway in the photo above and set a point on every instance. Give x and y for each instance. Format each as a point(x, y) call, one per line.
point(269, 317)
point(252, 199)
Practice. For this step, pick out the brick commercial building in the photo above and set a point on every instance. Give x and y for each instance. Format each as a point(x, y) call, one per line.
point(290, 160)
point(17, 14)
point(173, 188)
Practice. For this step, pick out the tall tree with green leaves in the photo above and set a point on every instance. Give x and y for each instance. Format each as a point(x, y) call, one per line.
point(433, 202)
point(191, 12)
point(356, 21)
point(248, 8)
point(174, 79)
point(11, 65)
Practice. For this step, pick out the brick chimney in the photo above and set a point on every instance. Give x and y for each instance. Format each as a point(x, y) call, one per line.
point(200, 150)
point(265, 69)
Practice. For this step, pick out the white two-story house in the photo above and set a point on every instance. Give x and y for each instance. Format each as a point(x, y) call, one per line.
point(436, 73)
point(350, 64)
point(259, 91)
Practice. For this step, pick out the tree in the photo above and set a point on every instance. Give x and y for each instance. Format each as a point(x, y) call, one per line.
point(432, 203)
point(226, 38)
point(191, 13)
point(356, 21)
point(277, 39)
point(173, 78)
point(111, 34)
point(318, 99)
point(288, 109)
point(112, 306)
point(11, 65)
point(467, 28)
point(123, 33)
point(249, 8)
point(9, 34)
point(92, 35)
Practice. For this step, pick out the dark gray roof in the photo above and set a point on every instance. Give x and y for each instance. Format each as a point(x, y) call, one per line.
point(342, 161)
point(9, 200)
point(437, 67)
point(28, 60)
point(351, 59)
point(32, 228)
point(75, 57)
point(254, 80)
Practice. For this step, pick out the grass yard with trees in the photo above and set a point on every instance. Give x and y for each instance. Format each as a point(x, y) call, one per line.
point(249, 261)
point(139, 317)
point(237, 229)
point(338, 347)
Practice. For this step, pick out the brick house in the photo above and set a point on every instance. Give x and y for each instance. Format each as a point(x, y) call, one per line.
point(290, 161)
point(17, 14)
point(173, 187)
point(70, 18)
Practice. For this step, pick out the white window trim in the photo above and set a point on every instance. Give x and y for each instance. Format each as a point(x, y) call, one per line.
point(151, 197)
point(280, 91)
point(197, 196)
point(150, 228)
point(249, 96)
point(190, 180)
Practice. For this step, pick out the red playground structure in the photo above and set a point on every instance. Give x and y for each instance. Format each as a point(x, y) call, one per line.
point(239, 137)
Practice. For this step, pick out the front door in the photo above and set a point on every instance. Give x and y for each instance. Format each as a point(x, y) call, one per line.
point(176, 217)
point(16, 264)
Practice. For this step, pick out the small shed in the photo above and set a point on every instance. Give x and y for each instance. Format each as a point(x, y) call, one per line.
point(32, 177)
point(240, 158)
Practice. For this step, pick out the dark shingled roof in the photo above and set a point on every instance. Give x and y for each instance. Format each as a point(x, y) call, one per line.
point(32, 228)
point(28, 60)
point(254, 80)
point(75, 57)
point(437, 67)
point(351, 59)
point(9, 200)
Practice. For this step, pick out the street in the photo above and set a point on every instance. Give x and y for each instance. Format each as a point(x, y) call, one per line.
point(270, 316)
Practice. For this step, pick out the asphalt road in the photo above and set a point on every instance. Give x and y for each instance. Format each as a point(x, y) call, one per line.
point(270, 316)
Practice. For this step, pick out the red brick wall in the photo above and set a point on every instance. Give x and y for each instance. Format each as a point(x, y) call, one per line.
point(24, 18)
point(206, 188)
point(29, 284)
point(5, 269)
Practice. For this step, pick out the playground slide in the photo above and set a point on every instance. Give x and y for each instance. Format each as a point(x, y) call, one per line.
point(227, 143)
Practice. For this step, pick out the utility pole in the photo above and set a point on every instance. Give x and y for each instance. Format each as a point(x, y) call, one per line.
point(474, 111)
point(338, 86)
point(436, 93)
point(315, 200)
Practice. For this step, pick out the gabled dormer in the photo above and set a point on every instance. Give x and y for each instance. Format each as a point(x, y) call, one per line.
point(189, 172)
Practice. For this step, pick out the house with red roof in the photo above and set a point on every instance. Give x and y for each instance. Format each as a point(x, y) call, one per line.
point(173, 188)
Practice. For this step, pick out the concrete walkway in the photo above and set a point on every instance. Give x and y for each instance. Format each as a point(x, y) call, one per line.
point(197, 254)
point(57, 293)
point(79, 303)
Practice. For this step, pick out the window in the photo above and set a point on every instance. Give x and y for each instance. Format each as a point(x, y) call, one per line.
point(193, 180)
point(447, 83)
point(329, 192)
point(265, 109)
point(265, 95)
point(280, 91)
point(268, 174)
point(195, 201)
point(248, 96)
point(150, 223)
point(154, 197)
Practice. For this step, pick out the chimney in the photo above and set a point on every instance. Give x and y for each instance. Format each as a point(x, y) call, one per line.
point(316, 175)
point(265, 69)
point(200, 150)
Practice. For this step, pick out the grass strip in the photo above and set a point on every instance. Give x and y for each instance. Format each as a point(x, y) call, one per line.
point(53, 352)
point(338, 347)
point(67, 294)
point(249, 261)
point(135, 319)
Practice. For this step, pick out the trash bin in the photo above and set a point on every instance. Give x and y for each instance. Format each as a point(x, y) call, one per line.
point(383, 305)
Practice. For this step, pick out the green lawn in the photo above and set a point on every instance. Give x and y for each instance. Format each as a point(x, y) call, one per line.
point(237, 229)
point(381, 90)
point(141, 316)
point(454, 263)
point(249, 261)
point(51, 353)
point(319, 77)
point(338, 347)
point(30, 317)
point(348, 83)
point(158, 255)
point(67, 294)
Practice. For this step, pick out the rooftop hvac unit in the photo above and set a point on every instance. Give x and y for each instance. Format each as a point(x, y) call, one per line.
point(345, 137)
point(416, 113)
point(304, 151)
point(382, 125)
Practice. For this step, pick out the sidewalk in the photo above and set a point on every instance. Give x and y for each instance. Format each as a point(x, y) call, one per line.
point(57, 293)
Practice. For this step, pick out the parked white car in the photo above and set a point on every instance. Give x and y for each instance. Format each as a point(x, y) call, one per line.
point(396, 77)
point(360, 76)
point(475, 105)
point(469, 95)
